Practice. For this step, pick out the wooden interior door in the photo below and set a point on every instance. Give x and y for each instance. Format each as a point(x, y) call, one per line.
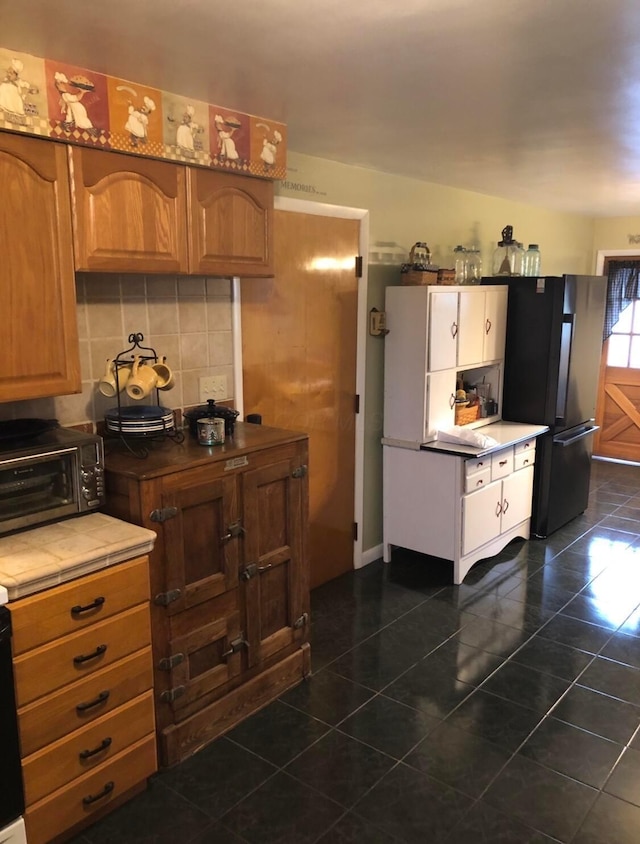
point(618, 405)
point(299, 334)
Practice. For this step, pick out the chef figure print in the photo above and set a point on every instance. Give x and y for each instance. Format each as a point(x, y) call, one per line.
point(78, 104)
point(229, 139)
point(14, 90)
point(185, 130)
point(268, 152)
point(137, 124)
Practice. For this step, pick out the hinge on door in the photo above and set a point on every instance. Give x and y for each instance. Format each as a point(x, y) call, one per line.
point(302, 621)
point(166, 598)
point(163, 514)
point(170, 695)
point(355, 531)
point(300, 472)
point(170, 662)
point(356, 403)
point(358, 266)
point(235, 645)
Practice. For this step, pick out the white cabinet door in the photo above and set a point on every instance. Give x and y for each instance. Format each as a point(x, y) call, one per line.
point(443, 330)
point(440, 407)
point(517, 493)
point(495, 323)
point(481, 511)
point(471, 330)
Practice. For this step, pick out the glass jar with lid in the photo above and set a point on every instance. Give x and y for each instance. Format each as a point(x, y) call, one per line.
point(474, 266)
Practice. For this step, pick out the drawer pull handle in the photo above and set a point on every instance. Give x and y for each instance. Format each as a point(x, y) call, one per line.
point(525, 462)
point(526, 445)
point(91, 798)
point(502, 463)
point(104, 744)
point(78, 660)
point(94, 605)
point(480, 482)
point(505, 506)
point(101, 698)
point(454, 329)
point(498, 509)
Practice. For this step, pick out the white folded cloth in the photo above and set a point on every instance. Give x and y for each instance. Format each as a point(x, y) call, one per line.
point(466, 436)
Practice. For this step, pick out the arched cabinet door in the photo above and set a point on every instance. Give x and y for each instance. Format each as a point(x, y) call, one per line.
point(130, 213)
point(40, 355)
point(231, 220)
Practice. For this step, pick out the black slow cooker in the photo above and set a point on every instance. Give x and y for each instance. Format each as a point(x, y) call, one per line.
point(212, 410)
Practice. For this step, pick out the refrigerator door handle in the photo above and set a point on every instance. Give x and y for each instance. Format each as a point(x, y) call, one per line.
point(585, 432)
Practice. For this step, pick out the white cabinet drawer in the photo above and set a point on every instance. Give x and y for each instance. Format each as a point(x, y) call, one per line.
point(477, 480)
point(501, 463)
point(476, 464)
point(525, 446)
point(524, 459)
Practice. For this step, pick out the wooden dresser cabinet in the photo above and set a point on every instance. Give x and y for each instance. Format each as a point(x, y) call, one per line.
point(83, 675)
point(40, 354)
point(229, 575)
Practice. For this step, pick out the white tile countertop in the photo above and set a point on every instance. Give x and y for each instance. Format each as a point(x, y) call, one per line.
point(46, 556)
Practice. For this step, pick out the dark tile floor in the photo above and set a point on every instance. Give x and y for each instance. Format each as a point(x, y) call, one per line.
point(503, 710)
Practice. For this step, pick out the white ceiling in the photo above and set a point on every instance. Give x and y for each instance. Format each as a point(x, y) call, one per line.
point(533, 100)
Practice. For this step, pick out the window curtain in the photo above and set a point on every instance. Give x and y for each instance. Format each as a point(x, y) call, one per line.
point(622, 288)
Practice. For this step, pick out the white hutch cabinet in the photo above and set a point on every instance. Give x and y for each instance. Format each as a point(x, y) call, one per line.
point(450, 500)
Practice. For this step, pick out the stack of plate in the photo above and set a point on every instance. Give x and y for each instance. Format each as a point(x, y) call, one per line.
point(144, 420)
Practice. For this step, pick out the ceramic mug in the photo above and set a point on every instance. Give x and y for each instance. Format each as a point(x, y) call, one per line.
point(114, 379)
point(164, 375)
point(142, 380)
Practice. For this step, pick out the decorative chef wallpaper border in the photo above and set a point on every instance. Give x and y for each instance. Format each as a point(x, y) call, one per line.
point(67, 103)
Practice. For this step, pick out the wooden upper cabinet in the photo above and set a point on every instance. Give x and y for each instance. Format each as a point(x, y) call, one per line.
point(40, 355)
point(130, 213)
point(230, 221)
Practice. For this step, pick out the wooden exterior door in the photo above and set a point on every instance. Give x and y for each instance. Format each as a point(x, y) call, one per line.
point(618, 405)
point(299, 334)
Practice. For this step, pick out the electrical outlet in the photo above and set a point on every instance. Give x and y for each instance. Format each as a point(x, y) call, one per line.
point(213, 387)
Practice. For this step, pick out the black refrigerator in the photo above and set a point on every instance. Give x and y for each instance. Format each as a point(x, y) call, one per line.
point(551, 370)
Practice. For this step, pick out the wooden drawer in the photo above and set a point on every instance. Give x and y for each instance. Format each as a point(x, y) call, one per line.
point(90, 793)
point(83, 702)
point(477, 480)
point(73, 606)
point(477, 464)
point(52, 666)
point(501, 463)
point(72, 756)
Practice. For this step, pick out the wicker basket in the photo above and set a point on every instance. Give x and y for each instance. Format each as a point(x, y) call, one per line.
point(466, 413)
point(419, 277)
point(446, 277)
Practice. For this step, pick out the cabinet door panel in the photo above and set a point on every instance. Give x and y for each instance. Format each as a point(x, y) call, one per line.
point(130, 213)
point(481, 512)
point(472, 327)
point(202, 558)
point(443, 330)
point(440, 411)
point(230, 224)
point(495, 324)
point(517, 494)
point(40, 353)
point(273, 547)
